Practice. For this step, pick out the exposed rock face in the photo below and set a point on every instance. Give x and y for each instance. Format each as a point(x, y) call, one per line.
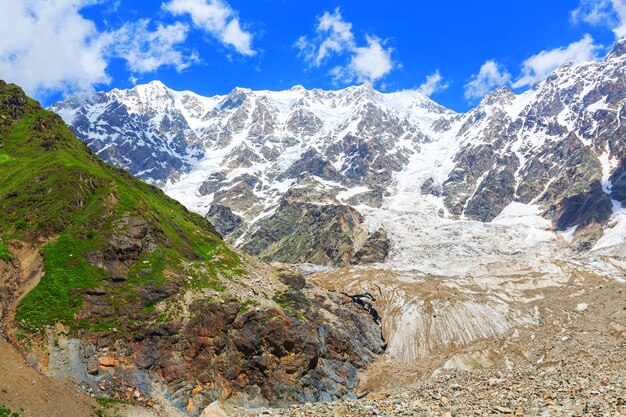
point(277, 357)
point(618, 182)
point(315, 352)
point(152, 143)
point(591, 206)
point(313, 163)
point(375, 249)
point(129, 239)
point(225, 220)
point(329, 234)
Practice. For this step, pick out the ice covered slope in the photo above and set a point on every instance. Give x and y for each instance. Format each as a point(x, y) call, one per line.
point(517, 167)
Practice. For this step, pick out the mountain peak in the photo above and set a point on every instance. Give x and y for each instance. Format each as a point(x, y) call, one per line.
point(13, 102)
point(365, 87)
point(156, 84)
point(298, 87)
point(619, 49)
point(497, 96)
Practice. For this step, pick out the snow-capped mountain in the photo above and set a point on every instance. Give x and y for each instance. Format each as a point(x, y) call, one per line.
point(355, 175)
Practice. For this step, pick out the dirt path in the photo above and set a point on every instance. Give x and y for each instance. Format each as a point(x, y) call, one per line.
point(31, 270)
point(15, 284)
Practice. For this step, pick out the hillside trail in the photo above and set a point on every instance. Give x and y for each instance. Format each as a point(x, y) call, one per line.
point(18, 278)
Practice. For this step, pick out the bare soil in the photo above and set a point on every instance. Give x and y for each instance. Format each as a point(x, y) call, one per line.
point(24, 389)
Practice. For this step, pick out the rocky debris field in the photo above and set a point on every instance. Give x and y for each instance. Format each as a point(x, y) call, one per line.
point(595, 387)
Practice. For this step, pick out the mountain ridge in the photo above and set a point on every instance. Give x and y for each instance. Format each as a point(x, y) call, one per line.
point(361, 148)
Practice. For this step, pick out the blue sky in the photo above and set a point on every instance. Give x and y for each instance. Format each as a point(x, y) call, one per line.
point(456, 51)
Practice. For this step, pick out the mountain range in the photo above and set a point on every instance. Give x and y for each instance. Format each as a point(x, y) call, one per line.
point(333, 177)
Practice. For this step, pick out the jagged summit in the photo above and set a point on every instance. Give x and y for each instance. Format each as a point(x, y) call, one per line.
point(619, 49)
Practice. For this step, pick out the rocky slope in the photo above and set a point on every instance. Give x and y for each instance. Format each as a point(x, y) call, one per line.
point(573, 390)
point(30, 394)
point(257, 161)
point(107, 283)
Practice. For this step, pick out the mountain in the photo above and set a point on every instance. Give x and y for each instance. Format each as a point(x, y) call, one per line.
point(107, 283)
point(479, 257)
point(263, 164)
point(270, 159)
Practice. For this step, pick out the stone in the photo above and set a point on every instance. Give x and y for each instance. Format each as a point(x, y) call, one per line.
point(108, 362)
point(340, 410)
point(214, 410)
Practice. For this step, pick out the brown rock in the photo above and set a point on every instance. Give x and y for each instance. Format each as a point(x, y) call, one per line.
point(108, 362)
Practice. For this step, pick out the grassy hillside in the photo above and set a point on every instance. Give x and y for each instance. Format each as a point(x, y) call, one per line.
point(150, 290)
point(55, 192)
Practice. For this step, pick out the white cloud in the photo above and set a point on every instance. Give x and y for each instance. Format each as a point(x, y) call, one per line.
point(433, 84)
point(339, 35)
point(216, 18)
point(48, 45)
point(334, 36)
point(372, 62)
point(538, 67)
point(490, 76)
point(147, 51)
point(611, 13)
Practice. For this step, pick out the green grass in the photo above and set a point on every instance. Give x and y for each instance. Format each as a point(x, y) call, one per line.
point(52, 187)
point(287, 305)
point(98, 413)
point(6, 412)
point(109, 402)
point(160, 263)
point(248, 305)
point(4, 252)
point(56, 297)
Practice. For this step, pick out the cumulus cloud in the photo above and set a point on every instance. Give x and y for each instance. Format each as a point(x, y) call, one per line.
point(538, 67)
point(372, 62)
point(490, 76)
point(610, 13)
point(334, 37)
point(146, 51)
point(216, 18)
point(433, 84)
point(48, 45)
point(338, 36)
